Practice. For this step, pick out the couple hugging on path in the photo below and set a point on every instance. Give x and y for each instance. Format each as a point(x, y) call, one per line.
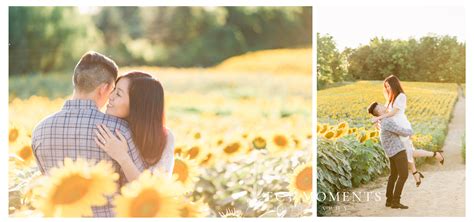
point(131, 133)
point(395, 132)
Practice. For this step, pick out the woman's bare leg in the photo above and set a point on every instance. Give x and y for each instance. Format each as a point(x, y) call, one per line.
point(412, 168)
point(423, 153)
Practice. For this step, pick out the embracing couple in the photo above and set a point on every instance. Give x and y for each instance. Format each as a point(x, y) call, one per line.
point(131, 133)
point(395, 133)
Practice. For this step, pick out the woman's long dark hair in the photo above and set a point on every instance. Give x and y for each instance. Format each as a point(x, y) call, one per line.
point(395, 88)
point(146, 117)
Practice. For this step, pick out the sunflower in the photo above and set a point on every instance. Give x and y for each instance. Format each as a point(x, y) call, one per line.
point(185, 172)
point(219, 141)
point(329, 135)
point(25, 155)
point(373, 134)
point(323, 129)
point(302, 182)
point(374, 139)
point(208, 160)
point(259, 142)
point(13, 134)
point(280, 143)
point(196, 135)
point(232, 149)
point(298, 141)
point(193, 209)
point(179, 149)
point(342, 125)
point(231, 213)
point(194, 152)
point(340, 133)
point(364, 137)
point(151, 195)
point(318, 128)
point(71, 190)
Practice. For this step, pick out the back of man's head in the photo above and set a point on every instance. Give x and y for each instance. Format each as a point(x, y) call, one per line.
point(372, 109)
point(92, 70)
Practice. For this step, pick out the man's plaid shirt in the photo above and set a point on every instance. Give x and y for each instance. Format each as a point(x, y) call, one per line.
point(70, 133)
point(390, 134)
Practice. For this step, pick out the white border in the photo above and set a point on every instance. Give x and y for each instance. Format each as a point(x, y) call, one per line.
point(314, 116)
point(4, 112)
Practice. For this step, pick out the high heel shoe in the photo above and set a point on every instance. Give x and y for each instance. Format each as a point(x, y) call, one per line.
point(440, 153)
point(421, 176)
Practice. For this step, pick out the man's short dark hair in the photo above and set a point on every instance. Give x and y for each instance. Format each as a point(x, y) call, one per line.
point(372, 108)
point(92, 70)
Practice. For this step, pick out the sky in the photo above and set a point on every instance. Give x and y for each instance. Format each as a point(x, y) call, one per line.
point(352, 26)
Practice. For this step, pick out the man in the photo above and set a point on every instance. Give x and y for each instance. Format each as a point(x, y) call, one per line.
point(70, 132)
point(393, 146)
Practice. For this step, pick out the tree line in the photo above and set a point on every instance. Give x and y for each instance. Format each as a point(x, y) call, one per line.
point(46, 39)
point(431, 58)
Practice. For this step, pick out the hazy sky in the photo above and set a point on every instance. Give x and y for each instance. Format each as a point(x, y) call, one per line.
point(355, 25)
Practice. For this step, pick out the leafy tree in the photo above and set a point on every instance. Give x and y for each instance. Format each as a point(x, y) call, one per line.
point(430, 59)
point(42, 39)
point(45, 39)
point(330, 64)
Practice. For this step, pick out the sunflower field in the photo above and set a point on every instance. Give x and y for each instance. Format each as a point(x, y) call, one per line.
point(242, 149)
point(349, 150)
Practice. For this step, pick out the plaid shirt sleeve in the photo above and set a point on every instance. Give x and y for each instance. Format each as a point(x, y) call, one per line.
point(35, 143)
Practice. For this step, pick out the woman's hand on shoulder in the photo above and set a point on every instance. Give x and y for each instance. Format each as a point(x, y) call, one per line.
point(375, 119)
point(115, 146)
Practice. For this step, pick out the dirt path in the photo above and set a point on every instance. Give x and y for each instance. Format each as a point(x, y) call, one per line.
point(442, 192)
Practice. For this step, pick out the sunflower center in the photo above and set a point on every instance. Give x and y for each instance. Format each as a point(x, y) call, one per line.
point(304, 180)
point(280, 141)
point(71, 189)
point(197, 136)
point(339, 133)
point(193, 152)
point(329, 135)
point(259, 143)
point(323, 130)
point(146, 204)
point(207, 159)
point(232, 148)
point(25, 153)
point(363, 138)
point(13, 135)
point(181, 169)
point(185, 212)
point(178, 150)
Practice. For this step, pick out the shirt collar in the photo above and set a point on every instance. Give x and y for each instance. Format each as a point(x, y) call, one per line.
point(79, 104)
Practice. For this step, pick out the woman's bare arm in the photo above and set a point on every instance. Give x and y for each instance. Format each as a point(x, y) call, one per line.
point(117, 148)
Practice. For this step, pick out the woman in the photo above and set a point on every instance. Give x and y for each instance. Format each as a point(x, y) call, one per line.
point(139, 99)
point(396, 104)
